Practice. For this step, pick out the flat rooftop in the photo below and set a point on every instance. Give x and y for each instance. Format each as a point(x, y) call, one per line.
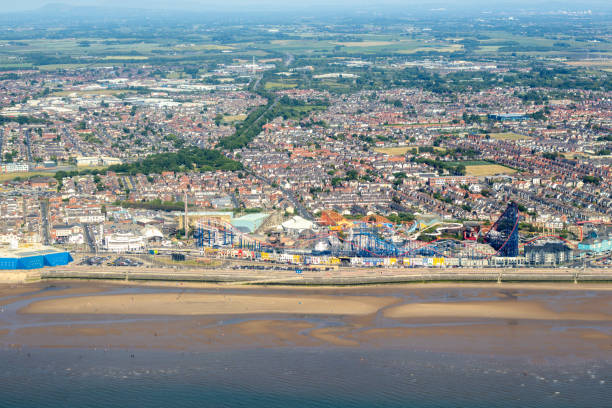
point(26, 251)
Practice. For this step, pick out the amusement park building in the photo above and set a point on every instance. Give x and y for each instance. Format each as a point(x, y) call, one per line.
point(33, 258)
point(124, 242)
point(597, 241)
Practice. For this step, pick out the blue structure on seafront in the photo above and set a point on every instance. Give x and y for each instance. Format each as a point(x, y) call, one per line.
point(33, 259)
point(597, 241)
point(503, 236)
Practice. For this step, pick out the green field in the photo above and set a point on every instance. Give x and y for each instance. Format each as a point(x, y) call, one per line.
point(508, 136)
point(279, 85)
point(25, 175)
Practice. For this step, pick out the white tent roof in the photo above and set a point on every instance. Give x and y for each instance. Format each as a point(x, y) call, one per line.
point(297, 223)
point(151, 232)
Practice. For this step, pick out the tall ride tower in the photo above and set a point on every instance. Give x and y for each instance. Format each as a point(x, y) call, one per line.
point(503, 235)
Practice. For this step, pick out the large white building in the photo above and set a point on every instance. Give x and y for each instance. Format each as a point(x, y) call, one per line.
point(124, 242)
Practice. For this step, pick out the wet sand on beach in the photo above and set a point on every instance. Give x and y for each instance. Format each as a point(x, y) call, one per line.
point(24, 292)
point(536, 320)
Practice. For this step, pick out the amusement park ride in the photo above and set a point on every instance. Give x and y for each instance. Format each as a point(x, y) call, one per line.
point(503, 236)
point(370, 240)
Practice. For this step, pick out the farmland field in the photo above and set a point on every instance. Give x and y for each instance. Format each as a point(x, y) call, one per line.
point(125, 57)
point(437, 48)
point(365, 43)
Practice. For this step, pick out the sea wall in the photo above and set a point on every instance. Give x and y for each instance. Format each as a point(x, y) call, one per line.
point(344, 277)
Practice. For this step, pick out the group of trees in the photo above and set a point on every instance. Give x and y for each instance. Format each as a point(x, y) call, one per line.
point(550, 155)
point(286, 107)
point(456, 169)
point(591, 179)
point(247, 130)
point(185, 159)
point(153, 205)
point(400, 217)
point(22, 120)
point(469, 119)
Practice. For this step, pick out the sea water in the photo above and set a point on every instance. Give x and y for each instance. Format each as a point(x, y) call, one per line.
point(295, 377)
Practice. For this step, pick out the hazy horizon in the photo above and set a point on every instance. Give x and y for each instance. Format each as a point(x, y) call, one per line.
point(240, 6)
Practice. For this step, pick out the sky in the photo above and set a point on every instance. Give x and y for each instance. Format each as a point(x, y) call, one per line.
point(245, 5)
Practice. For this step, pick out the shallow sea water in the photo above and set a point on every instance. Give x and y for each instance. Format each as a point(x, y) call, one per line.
point(295, 377)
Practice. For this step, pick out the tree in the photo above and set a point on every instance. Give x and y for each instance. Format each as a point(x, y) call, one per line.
point(218, 119)
point(351, 175)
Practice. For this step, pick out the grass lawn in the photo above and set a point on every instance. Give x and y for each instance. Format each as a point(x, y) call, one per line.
point(394, 151)
point(208, 263)
point(480, 170)
point(233, 118)
point(508, 136)
point(279, 85)
point(571, 155)
point(91, 167)
point(25, 175)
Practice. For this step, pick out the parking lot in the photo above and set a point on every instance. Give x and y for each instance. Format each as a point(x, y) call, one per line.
point(108, 261)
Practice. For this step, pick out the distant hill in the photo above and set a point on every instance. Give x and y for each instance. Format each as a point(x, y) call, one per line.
point(308, 8)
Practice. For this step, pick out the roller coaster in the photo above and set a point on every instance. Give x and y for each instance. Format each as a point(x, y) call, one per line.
point(503, 235)
point(216, 233)
point(380, 240)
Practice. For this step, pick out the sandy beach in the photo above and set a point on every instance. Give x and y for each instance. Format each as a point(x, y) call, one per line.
point(492, 310)
point(209, 304)
point(535, 320)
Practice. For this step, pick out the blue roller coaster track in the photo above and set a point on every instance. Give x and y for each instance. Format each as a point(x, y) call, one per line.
point(503, 235)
